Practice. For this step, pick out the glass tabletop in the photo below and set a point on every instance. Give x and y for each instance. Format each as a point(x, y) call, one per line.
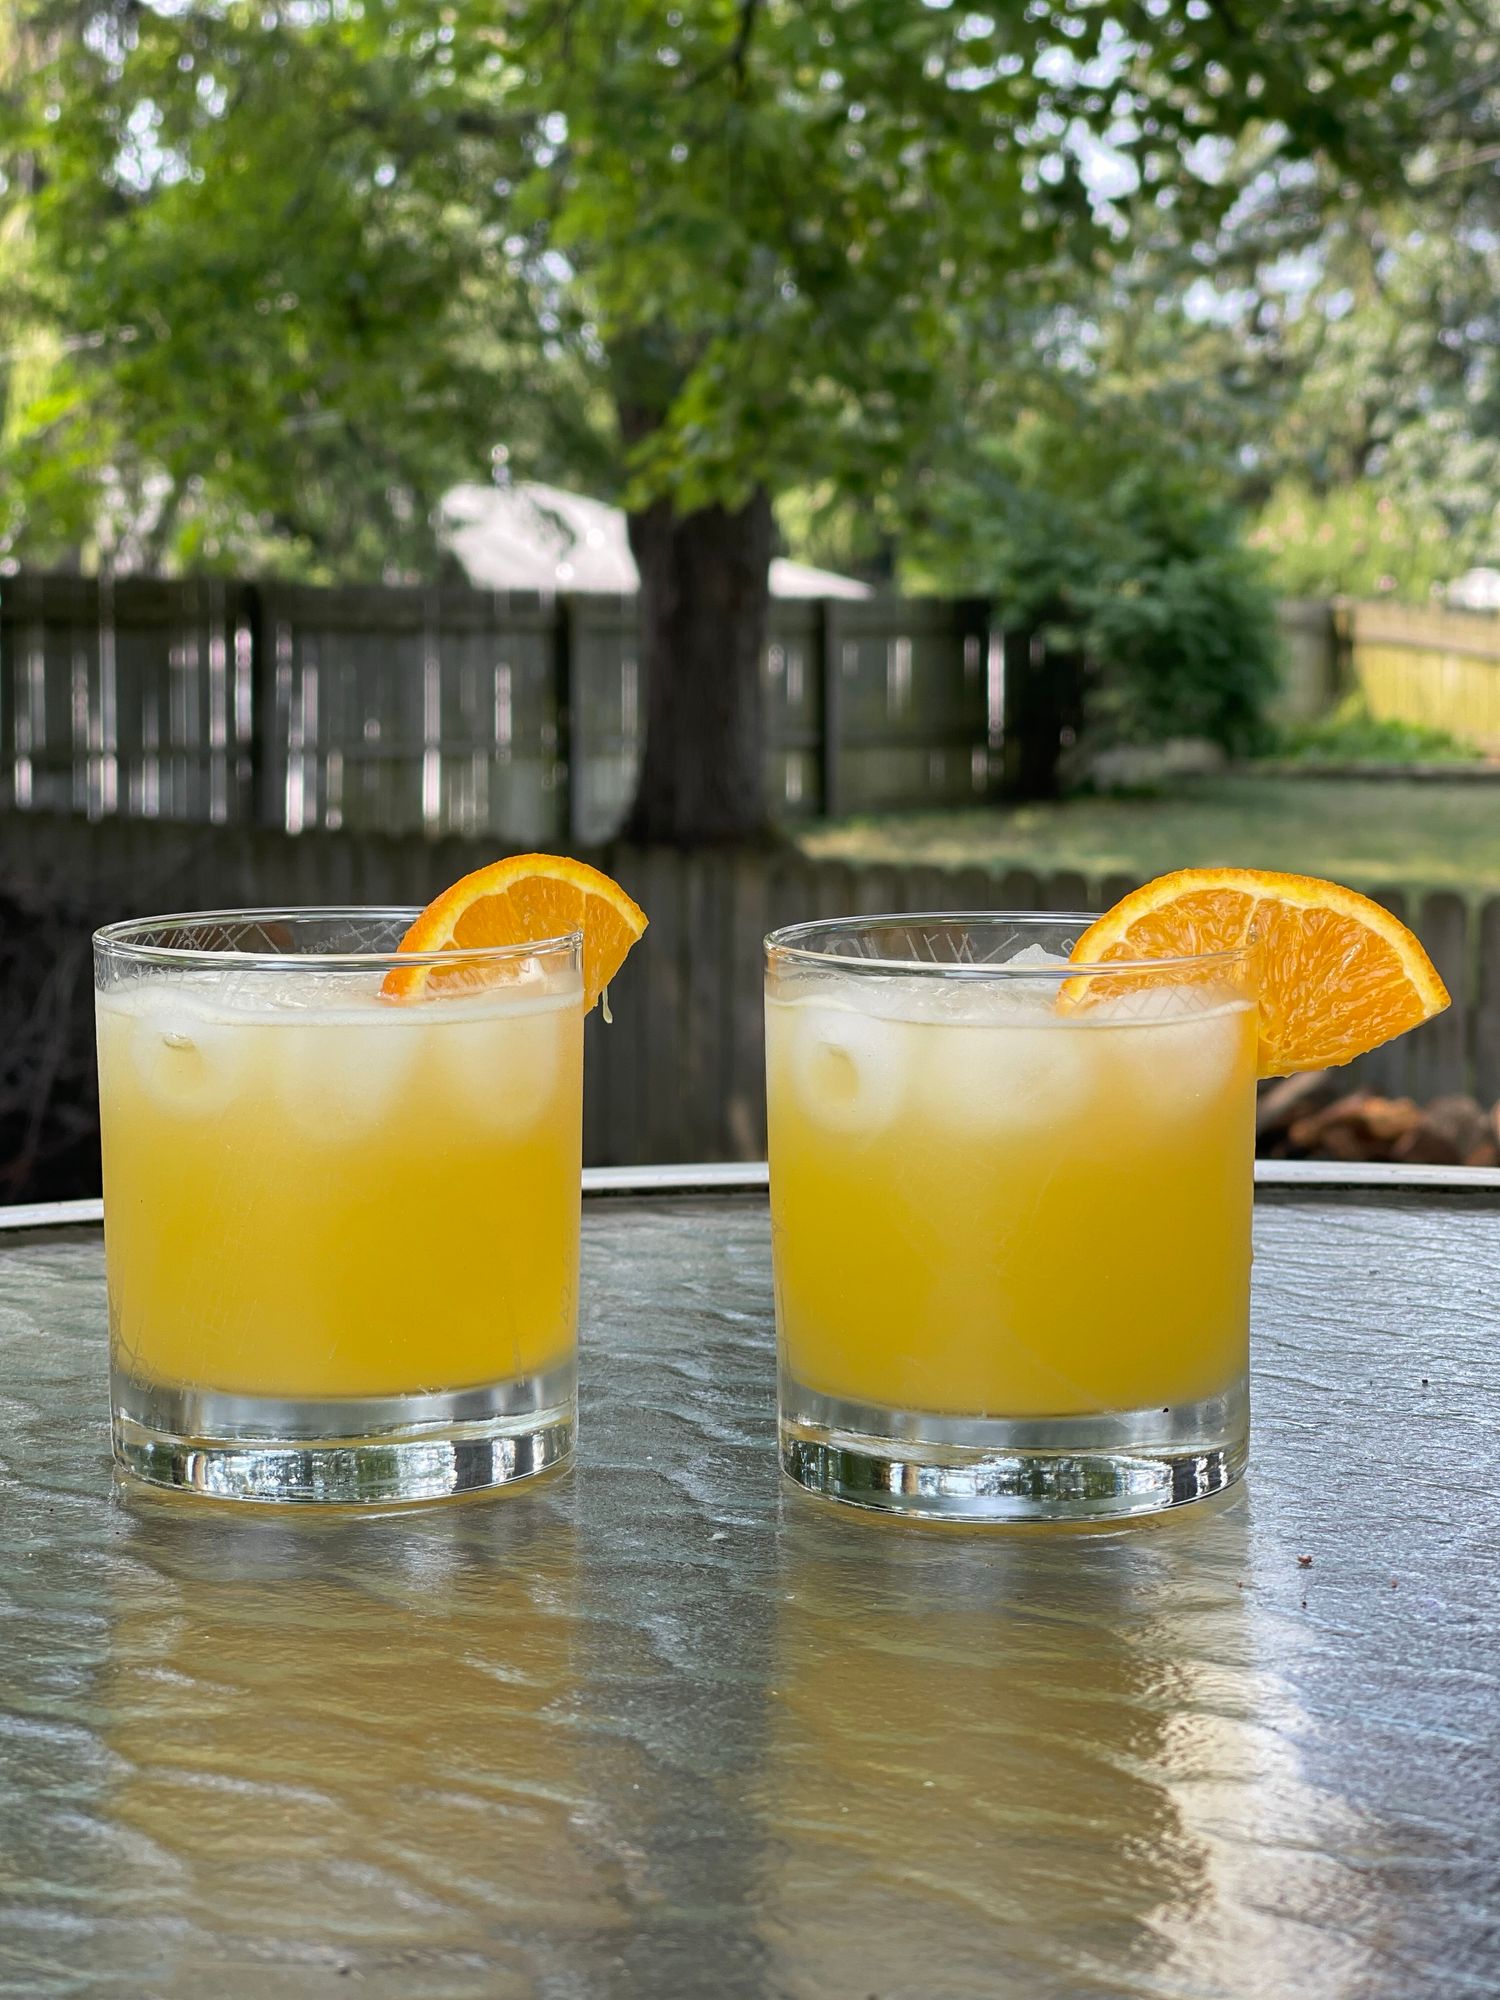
point(666, 1727)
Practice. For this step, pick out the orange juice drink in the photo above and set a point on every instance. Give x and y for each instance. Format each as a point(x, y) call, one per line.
point(341, 1228)
point(1011, 1231)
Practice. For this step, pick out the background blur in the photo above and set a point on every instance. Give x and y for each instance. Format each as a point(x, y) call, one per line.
point(810, 457)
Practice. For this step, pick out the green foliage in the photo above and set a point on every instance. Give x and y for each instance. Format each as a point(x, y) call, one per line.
point(1184, 632)
point(1358, 541)
point(1098, 528)
point(294, 345)
point(1349, 348)
point(1335, 343)
point(1397, 405)
point(832, 529)
point(284, 271)
point(1352, 735)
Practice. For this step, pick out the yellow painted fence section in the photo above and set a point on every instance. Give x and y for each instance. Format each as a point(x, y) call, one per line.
point(1441, 668)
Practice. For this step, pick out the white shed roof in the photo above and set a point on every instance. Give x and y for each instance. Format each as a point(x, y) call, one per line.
point(533, 537)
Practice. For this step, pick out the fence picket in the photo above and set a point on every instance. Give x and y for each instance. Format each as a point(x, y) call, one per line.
point(663, 993)
point(794, 890)
point(745, 1093)
point(707, 999)
point(834, 893)
point(620, 1044)
point(1387, 1070)
point(1427, 666)
point(929, 888)
point(972, 889)
point(1114, 888)
point(879, 890)
point(1486, 1020)
point(1017, 889)
point(1439, 1049)
point(1067, 889)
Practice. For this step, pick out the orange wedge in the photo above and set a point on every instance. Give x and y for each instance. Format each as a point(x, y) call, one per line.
point(523, 900)
point(1338, 974)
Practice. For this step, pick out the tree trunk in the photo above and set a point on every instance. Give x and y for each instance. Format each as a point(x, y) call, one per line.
point(704, 602)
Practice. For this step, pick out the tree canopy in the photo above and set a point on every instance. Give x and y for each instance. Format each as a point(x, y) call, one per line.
point(278, 272)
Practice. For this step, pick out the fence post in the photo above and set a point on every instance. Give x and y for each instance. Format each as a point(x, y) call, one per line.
point(266, 808)
point(1043, 700)
point(977, 628)
point(1486, 1037)
point(831, 703)
point(1439, 1049)
point(568, 746)
point(1345, 675)
point(7, 699)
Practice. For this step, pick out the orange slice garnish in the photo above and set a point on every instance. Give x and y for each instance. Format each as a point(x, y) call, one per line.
point(1338, 975)
point(524, 899)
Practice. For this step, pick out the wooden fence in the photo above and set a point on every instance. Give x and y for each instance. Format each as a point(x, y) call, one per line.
point(678, 1076)
point(1441, 668)
point(463, 711)
point(1311, 659)
point(518, 715)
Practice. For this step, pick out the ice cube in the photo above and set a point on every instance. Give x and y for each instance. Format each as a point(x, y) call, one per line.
point(1173, 1066)
point(188, 1060)
point(339, 1077)
point(300, 988)
point(989, 1003)
point(848, 1069)
point(1012, 1076)
point(1036, 957)
point(502, 1072)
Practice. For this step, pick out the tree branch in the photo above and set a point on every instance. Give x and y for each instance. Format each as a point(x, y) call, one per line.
point(736, 57)
point(741, 49)
point(1482, 156)
point(1462, 93)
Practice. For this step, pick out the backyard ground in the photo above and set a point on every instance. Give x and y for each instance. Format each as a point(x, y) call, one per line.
point(1368, 832)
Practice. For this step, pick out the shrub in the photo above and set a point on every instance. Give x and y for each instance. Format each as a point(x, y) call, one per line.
point(1351, 735)
point(1180, 626)
point(1121, 551)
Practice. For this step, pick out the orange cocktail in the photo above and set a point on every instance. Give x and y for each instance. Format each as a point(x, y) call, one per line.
point(1012, 1235)
point(341, 1185)
point(335, 1222)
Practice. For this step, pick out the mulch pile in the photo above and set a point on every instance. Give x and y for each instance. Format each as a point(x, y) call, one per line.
point(1311, 1117)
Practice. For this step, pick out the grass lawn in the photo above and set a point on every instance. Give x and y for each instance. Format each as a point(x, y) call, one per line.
point(1369, 833)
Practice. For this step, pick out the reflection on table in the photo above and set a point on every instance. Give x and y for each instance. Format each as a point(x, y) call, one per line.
point(1036, 1758)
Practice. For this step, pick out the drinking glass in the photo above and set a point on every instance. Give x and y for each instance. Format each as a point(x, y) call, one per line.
point(1010, 1209)
point(340, 1223)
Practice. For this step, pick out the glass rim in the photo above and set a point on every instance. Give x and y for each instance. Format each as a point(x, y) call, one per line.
point(788, 943)
point(121, 940)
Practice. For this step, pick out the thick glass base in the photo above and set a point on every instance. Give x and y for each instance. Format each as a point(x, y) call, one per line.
point(381, 1451)
point(993, 1469)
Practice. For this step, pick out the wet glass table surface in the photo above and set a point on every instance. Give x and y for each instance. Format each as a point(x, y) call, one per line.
point(664, 1727)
